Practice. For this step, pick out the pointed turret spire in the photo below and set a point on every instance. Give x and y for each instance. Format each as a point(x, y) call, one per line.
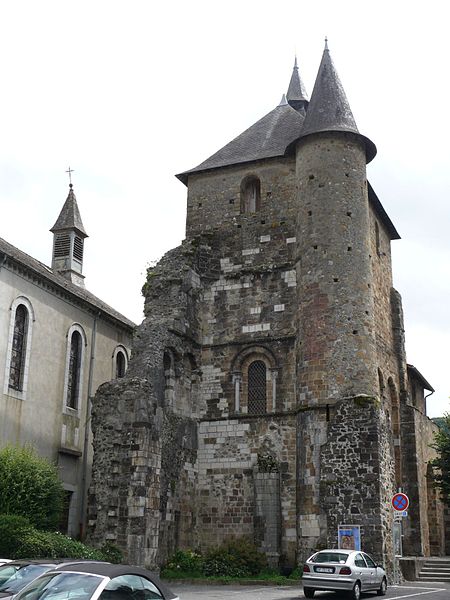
point(69, 217)
point(68, 241)
point(283, 100)
point(296, 94)
point(329, 109)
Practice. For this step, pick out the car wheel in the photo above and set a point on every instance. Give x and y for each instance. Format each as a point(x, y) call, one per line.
point(309, 592)
point(355, 594)
point(381, 591)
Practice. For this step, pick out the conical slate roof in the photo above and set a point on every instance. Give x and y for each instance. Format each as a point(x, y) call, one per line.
point(267, 138)
point(329, 109)
point(69, 217)
point(296, 89)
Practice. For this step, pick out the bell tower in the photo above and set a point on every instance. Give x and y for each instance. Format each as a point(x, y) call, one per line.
point(68, 241)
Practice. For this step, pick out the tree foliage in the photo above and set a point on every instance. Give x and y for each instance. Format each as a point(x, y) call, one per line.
point(441, 464)
point(30, 487)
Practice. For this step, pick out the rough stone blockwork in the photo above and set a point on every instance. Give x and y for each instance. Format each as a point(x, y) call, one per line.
point(268, 393)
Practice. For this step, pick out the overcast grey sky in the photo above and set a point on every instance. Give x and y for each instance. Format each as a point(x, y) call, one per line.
point(130, 92)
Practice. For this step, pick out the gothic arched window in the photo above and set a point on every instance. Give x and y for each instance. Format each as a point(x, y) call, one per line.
point(250, 194)
point(18, 350)
point(73, 380)
point(256, 402)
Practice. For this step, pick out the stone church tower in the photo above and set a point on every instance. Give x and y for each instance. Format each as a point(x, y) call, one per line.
point(268, 393)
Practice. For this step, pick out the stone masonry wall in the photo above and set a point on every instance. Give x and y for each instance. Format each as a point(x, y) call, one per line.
point(356, 478)
point(231, 455)
point(336, 327)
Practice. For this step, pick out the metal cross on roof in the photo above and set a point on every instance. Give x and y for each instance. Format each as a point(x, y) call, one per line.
point(70, 171)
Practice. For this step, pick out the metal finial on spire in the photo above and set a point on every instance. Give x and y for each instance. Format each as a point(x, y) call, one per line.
point(295, 63)
point(70, 171)
point(326, 43)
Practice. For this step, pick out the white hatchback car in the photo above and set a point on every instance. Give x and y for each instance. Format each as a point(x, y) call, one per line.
point(343, 571)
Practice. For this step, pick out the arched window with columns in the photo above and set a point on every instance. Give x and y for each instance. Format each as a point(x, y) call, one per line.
point(254, 377)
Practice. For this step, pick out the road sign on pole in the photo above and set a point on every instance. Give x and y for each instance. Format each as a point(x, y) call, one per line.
point(400, 502)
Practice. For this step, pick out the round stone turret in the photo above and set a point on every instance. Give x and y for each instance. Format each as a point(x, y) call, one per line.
point(336, 352)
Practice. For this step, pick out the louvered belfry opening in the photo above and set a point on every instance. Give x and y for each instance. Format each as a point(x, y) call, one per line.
point(62, 245)
point(17, 364)
point(78, 248)
point(257, 402)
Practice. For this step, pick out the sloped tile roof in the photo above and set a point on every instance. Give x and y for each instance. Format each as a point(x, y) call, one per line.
point(9, 253)
point(267, 138)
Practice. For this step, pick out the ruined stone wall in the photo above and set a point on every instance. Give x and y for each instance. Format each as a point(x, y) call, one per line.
point(144, 472)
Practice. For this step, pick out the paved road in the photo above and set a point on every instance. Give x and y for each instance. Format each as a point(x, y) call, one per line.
point(415, 590)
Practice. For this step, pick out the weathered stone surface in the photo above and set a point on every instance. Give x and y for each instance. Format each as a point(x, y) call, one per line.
point(268, 393)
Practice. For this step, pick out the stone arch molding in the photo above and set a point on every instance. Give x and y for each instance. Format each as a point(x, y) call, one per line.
point(240, 367)
point(20, 394)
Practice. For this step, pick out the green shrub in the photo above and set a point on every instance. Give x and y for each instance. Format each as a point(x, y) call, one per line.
point(30, 487)
point(12, 529)
point(47, 544)
point(19, 539)
point(185, 561)
point(237, 557)
point(111, 553)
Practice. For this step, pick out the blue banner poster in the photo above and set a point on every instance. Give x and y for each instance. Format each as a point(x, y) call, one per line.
point(349, 537)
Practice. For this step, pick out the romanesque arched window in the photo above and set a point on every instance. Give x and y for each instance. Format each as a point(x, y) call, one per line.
point(256, 390)
point(120, 365)
point(254, 378)
point(73, 381)
point(119, 362)
point(18, 350)
point(250, 194)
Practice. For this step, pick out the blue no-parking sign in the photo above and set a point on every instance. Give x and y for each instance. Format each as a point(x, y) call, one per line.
point(400, 502)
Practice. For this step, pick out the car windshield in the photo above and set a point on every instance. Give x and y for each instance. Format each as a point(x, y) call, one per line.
point(6, 571)
point(20, 578)
point(61, 586)
point(329, 557)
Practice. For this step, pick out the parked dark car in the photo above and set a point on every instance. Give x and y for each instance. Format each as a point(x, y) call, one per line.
point(343, 570)
point(15, 575)
point(97, 581)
